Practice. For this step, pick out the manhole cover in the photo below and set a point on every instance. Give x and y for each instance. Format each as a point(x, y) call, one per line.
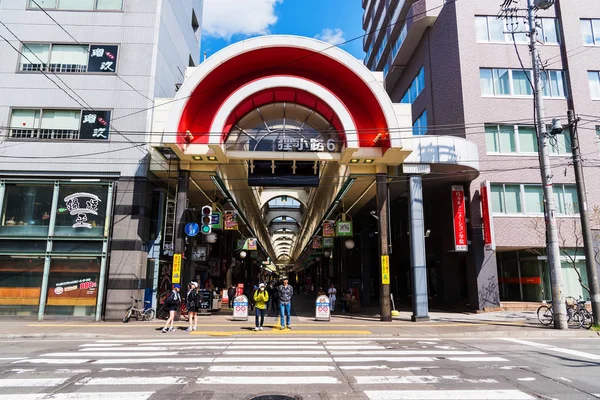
point(275, 397)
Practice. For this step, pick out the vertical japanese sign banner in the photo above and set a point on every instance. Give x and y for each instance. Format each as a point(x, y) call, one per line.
point(385, 270)
point(343, 228)
point(459, 217)
point(486, 216)
point(230, 219)
point(176, 268)
point(328, 228)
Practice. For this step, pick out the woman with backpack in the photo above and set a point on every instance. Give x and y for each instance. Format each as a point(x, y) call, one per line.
point(172, 303)
point(261, 298)
point(192, 306)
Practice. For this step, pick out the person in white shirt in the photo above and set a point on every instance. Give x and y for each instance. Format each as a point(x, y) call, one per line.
point(332, 296)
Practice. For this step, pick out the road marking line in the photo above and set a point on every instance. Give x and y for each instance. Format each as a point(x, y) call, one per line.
point(79, 396)
point(274, 347)
point(350, 347)
point(277, 352)
point(133, 380)
point(91, 354)
point(417, 379)
point(230, 343)
point(528, 379)
point(171, 360)
point(554, 349)
point(100, 345)
point(271, 360)
point(409, 352)
point(272, 380)
point(148, 348)
point(36, 382)
point(272, 368)
point(447, 394)
point(477, 359)
point(383, 358)
point(12, 358)
point(51, 361)
point(363, 367)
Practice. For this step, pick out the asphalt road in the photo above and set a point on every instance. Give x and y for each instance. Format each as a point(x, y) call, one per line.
point(182, 366)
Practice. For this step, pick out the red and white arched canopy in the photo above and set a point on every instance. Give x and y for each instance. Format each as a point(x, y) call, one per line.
point(271, 69)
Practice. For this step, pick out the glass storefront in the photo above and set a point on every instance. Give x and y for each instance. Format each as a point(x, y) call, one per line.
point(68, 239)
point(524, 276)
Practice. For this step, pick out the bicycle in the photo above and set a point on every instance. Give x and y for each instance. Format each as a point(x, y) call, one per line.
point(146, 314)
point(163, 312)
point(576, 316)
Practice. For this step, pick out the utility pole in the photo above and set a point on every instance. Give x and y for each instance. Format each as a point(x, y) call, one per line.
point(553, 250)
point(586, 233)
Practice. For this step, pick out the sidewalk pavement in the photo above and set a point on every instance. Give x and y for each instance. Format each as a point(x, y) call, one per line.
point(441, 324)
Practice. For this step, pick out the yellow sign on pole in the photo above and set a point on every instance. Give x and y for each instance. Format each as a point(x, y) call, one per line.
point(176, 268)
point(385, 270)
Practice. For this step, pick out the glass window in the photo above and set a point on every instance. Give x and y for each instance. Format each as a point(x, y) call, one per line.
point(491, 139)
point(553, 85)
point(20, 285)
point(420, 125)
point(527, 139)
point(76, 4)
point(501, 82)
point(487, 82)
point(507, 139)
point(586, 31)
point(594, 79)
point(35, 57)
point(496, 27)
point(497, 198)
point(42, 3)
point(72, 286)
point(60, 119)
point(561, 143)
point(521, 83)
point(534, 199)
point(596, 29)
point(81, 210)
point(571, 202)
point(23, 122)
point(481, 29)
point(550, 30)
point(416, 87)
point(69, 58)
point(512, 199)
point(27, 210)
point(110, 4)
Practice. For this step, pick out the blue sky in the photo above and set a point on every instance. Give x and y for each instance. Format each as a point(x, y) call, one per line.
point(335, 21)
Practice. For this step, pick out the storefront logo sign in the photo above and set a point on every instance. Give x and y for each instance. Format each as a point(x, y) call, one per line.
point(75, 206)
point(301, 144)
point(459, 217)
point(343, 228)
point(486, 216)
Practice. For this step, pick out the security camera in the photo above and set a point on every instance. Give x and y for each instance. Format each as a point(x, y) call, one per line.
point(374, 214)
point(556, 126)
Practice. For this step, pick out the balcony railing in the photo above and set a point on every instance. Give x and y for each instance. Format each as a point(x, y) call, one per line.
point(44, 134)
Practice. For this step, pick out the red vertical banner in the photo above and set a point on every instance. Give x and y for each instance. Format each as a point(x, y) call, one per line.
point(486, 216)
point(459, 217)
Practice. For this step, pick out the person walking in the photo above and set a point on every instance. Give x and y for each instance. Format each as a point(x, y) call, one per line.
point(332, 292)
point(192, 306)
point(231, 295)
point(172, 303)
point(261, 298)
point(286, 292)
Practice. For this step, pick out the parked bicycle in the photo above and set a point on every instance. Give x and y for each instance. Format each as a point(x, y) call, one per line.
point(146, 314)
point(577, 314)
point(163, 312)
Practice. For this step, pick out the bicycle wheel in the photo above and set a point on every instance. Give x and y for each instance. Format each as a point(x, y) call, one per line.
point(586, 319)
point(127, 316)
point(163, 313)
point(573, 319)
point(545, 315)
point(149, 314)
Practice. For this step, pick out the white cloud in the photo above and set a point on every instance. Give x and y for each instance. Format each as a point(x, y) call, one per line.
point(225, 18)
point(331, 36)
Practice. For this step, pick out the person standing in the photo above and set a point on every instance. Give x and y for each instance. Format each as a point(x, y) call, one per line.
point(172, 303)
point(192, 306)
point(261, 298)
point(286, 292)
point(332, 292)
point(274, 297)
point(231, 295)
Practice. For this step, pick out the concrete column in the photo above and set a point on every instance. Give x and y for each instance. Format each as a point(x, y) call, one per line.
point(384, 250)
point(183, 185)
point(46, 273)
point(418, 262)
point(102, 277)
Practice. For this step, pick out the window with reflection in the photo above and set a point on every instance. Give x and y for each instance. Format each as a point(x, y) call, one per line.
point(81, 210)
point(20, 284)
point(27, 210)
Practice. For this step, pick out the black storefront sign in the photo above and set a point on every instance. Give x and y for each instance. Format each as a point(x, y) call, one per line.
point(204, 299)
point(103, 59)
point(95, 125)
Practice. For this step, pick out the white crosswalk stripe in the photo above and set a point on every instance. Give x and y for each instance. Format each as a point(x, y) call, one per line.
point(380, 368)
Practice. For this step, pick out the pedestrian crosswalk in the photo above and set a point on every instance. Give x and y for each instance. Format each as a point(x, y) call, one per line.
point(367, 367)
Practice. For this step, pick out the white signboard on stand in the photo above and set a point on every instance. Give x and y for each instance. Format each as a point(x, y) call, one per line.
point(322, 309)
point(240, 308)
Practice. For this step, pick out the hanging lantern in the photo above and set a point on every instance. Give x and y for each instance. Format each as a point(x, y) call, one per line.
point(211, 238)
point(349, 244)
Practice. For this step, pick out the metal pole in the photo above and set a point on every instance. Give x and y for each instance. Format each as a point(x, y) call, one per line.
point(46, 273)
point(586, 232)
point(382, 212)
point(588, 244)
point(553, 250)
point(102, 277)
point(418, 257)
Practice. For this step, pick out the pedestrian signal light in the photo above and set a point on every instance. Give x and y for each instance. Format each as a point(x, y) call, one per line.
point(206, 220)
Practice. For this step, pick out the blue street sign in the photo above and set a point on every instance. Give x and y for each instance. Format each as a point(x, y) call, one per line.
point(191, 229)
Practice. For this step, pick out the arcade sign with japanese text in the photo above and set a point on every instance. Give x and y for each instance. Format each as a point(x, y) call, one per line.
point(306, 145)
point(459, 218)
point(95, 125)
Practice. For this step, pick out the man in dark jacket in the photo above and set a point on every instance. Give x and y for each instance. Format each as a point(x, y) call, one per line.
point(231, 295)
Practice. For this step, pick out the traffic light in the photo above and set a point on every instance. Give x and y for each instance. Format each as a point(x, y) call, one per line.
point(206, 220)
